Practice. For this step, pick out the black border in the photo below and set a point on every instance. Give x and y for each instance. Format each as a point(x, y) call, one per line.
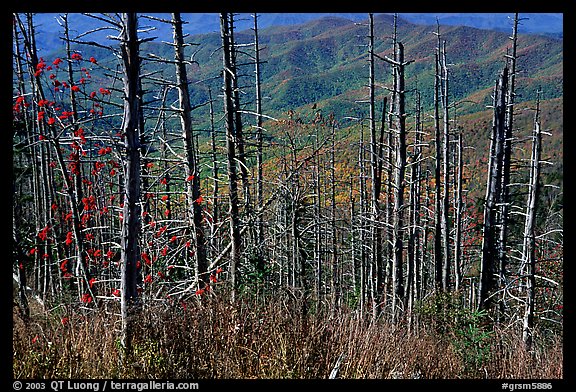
point(297, 6)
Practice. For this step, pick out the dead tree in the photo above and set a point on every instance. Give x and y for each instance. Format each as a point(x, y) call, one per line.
point(259, 147)
point(130, 253)
point(192, 172)
point(458, 211)
point(442, 170)
point(504, 197)
point(374, 210)
point(214, 242)
point(362, 219)
point(438, 249)
point(415, 237)
point(230, 124)
point(238, 126)
point(376, 153)
point(398, 224)
point(318, 249)
point(335, 281)
point(446, 175)
point(489, 272)
point(529, 245)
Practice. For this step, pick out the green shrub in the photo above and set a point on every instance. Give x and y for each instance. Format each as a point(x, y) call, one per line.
point(466, 329)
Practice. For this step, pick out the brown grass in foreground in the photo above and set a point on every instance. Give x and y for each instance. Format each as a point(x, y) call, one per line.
point(212, 339)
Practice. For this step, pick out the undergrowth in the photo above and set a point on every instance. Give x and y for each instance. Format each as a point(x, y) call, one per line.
point(269, 338)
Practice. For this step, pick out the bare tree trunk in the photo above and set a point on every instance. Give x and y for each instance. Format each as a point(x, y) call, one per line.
point(335, 280)
point(228, 77)
point(399, 184)
point(438, 250)
point(388, 236)
point(375, 240)
point(424, 254)
point(489, 264)
point(259, 132)
point(239, 131)
point(529, 246)
point(214, 242)
point(317, 225)
point(352, 236)
point(362, 220)
point(130, 253)
point(504, 197)
point(192, 173)
point(413, 274)
point(446, 177)
point(458, 211)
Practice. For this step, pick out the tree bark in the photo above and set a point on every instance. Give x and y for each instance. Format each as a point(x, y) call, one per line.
point(489, 264)
point(446, 176)
point(529, 246)
point(504, 197)
point(259, 140)
point(458, 211)
point(192, 173)
point(230, 125)
point(130, 253)
point(438, 250)
point(399, 184)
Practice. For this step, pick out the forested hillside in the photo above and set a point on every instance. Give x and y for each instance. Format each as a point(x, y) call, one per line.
point(284, 202)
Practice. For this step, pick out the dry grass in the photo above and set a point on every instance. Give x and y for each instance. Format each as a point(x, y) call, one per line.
point(258, 339)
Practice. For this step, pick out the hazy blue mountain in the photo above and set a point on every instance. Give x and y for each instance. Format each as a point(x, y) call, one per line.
point(537, 23)
point(49, 31)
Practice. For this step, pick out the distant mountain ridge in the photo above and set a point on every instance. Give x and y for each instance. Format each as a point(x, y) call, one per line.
point(204, 23)
point(324, 59)
point(532, 23)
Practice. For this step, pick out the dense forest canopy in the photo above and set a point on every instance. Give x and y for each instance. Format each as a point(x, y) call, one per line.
point(409, 176)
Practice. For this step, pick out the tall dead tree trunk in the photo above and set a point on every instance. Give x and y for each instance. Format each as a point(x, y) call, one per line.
point(529, 246)
point(362, 220)
point(388, 240)
point(214, 242)
point(229, 118)
point(376, 152)
point(191, 169)
point(318, 249)
point(335, 281)
point(130, 253)
point(399, 181)
point(438, 250)
point(489, 272)
point(375, 258)
point(458, 211)
point(412, 281)
point(259, 140)
point(239, 129)
point(504, 197)
point(446, 175)
point(426, 229)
